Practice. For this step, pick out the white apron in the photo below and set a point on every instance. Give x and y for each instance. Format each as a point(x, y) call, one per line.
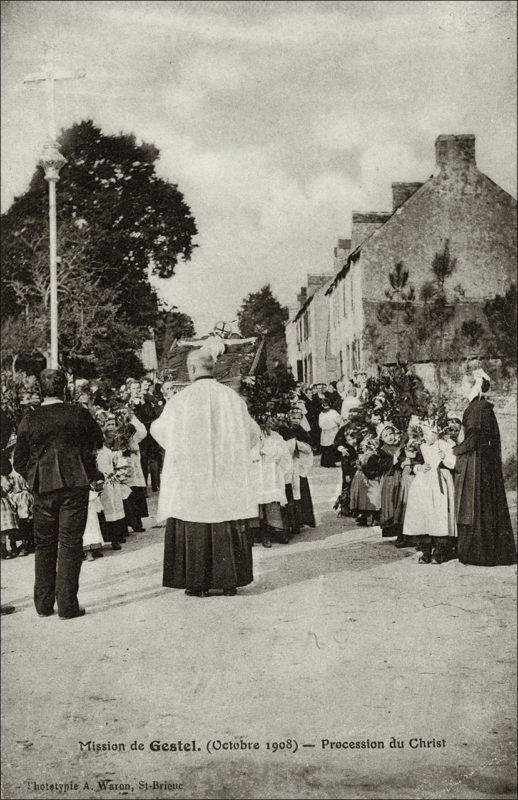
point(430, 509)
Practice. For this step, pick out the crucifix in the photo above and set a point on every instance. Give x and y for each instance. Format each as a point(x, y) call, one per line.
point(52, 161)
point(50, 76)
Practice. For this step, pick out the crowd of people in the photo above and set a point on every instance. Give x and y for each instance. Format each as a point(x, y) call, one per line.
point(127, 460)
point(130, 461)
point(86, 467)
point(436, 485)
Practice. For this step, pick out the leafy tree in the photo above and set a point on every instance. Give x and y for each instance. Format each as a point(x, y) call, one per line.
point(261, 314)
point(493, 333)
point(395, 395)
point(172, 324)
point(117, 222)
point(503, 325)
point(399, 308)
point(268, 394)
point(437, 311)
point(95, 336)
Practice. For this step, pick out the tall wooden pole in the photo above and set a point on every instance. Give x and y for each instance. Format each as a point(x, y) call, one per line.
point(53, 275)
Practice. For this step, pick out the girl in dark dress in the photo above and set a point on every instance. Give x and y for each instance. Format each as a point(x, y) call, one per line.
point(299, 510)
point(390, 479)
point(345, 443)
point(485, 535)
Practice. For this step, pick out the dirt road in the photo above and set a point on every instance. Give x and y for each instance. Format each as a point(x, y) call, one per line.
point(341, 639)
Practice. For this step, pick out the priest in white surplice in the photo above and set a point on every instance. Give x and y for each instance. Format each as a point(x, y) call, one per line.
point(207, 493)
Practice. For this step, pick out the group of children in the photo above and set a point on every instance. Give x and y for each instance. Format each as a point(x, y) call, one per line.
point(281, 462)
point(17, 538)
point(117, 500)
point(403, 482)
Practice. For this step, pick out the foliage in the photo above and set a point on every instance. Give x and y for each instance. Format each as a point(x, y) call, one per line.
point(396, 395)
point(117, 222)
point(171, 325)
point(399, 308)
point(493, 335)
point(502, 320)
point(269, 394)
point(13, 387)
point(437, 312)
point(261, 314)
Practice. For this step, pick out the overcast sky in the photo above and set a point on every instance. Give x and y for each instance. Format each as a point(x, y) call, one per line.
point(276, 119)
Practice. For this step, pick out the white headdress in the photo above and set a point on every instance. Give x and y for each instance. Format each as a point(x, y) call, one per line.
point(479, 376)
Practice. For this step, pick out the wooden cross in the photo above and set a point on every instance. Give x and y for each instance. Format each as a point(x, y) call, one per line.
point(50, 76)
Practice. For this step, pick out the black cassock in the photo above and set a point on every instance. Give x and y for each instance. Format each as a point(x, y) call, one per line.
point(483, 520)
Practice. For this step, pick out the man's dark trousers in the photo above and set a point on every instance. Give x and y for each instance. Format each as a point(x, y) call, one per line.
point(59, 524)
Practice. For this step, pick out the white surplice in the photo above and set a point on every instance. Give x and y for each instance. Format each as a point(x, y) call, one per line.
point(207, 434)
point(271, 468)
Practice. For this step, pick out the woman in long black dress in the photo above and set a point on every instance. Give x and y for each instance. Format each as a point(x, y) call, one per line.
point(483, 520)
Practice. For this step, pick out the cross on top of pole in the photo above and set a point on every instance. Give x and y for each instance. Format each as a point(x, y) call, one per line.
point(50, 76)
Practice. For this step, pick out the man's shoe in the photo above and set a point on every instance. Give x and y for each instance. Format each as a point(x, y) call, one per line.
point(116, 546)
point(80, 613)
point(46, 615)
point(194, 593)
point(7, 609)
point(89, 556)
point(266, 542)
point(230, 592)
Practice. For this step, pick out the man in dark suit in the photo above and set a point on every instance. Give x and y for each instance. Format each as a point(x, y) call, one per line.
point(55, 453)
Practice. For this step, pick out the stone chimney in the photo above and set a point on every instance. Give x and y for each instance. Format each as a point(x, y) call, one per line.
point(341, 251)
point(302, 296)
point(365, 224)
point(401, 192)
point(315, 282)
point(455, 152)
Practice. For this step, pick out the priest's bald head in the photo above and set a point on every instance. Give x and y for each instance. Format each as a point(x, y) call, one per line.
point(200, 363)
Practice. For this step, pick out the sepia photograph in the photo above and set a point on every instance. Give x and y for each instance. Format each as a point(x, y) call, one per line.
point(258, 355)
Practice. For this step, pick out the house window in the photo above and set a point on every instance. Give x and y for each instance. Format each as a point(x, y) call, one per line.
point(356, 353)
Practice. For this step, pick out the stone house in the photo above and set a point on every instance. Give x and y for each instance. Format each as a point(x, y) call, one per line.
point(458, 204)
point(307, 331)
